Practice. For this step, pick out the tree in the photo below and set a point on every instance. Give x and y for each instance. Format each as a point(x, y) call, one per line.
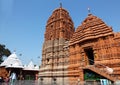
point(3, 52)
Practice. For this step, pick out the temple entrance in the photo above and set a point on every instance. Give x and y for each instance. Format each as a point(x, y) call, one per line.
point(90, 55)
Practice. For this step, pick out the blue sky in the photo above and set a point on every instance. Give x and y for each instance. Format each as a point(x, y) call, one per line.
point(22, 22)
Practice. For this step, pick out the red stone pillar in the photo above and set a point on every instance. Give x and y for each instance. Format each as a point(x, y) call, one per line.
point(81, 76)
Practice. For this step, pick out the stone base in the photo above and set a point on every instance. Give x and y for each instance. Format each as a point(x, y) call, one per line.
point(54, 81)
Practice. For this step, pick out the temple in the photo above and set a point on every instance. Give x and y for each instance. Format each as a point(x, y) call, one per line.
point(94, 50)
point(91, 52)
point(59, 30)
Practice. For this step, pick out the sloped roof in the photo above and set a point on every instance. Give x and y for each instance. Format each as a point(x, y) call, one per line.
point(12, 62)
point(31, 66)
point(92, 27)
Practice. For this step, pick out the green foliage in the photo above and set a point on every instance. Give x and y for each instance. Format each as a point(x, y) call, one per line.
point(3, 52)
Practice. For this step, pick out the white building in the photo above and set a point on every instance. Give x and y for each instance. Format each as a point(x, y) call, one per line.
point(13, 63)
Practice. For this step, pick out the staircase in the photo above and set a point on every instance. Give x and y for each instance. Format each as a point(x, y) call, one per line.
point(101, 72)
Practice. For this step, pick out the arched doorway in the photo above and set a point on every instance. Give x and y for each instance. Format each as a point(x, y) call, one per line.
point(90, 55)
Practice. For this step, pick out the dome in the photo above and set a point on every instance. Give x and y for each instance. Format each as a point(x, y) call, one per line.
point(92, 27)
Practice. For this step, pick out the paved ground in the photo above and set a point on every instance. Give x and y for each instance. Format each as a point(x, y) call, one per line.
point(35, 82)
point(26, 82)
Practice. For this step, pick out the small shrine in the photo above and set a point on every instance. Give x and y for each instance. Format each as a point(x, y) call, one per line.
point(13, 64)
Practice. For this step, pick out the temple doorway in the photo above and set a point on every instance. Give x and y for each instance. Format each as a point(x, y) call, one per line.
point(90, 55)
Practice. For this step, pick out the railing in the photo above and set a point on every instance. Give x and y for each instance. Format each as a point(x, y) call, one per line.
point(103, 70)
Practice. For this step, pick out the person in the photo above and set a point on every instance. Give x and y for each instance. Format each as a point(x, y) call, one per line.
point(1, 80)
point(6, 80)
point(13, 78)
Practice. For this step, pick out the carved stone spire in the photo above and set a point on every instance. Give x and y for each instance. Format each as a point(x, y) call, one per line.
point(59, 25)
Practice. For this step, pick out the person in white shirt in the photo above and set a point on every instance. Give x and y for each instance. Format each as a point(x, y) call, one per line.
point(13, 78)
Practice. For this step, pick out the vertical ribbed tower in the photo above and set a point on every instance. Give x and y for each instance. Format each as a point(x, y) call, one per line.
point(59, 30)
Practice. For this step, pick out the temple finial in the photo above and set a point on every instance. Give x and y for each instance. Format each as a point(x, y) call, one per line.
point(89, 12)
point(60, 5)
point(14, 50)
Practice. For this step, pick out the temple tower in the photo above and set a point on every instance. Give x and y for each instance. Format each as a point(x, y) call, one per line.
point(94, 46)
point(59, 30)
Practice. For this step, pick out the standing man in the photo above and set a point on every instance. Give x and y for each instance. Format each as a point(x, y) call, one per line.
point(13, 78)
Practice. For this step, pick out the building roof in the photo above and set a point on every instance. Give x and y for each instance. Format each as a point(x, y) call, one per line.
point(31, 67)
point(92, 27)
point(12, 62)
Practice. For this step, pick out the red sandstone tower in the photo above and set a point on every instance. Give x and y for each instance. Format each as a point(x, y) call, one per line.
point(59, 30)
